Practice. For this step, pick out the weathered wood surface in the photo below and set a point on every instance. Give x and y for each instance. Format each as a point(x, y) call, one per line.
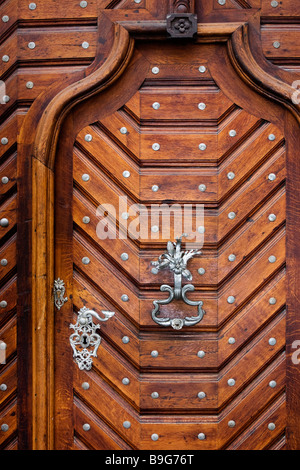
point(33, 77)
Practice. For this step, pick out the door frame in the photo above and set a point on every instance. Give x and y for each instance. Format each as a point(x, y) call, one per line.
point(37, 153)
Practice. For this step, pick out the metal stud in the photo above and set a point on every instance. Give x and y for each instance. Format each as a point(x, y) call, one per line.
point(271, 137)
point(202, 187)
point(125, 340)
point(232, 133)
point(124, 298)
point(202, 106)
point(231, 215)
point(272, 384)
point(125, 381)
point(137, 1)
point(31, 45)
point(32, 6)
point(272, 259)
point(231, 382)
point(29, 85)
point(86, 427)
point(276, 44)
point(88, 137)
point(231, 340)
point(4, 141)
point(202, 69)
point(5, 58)
point(271, 426)
point(221, 2)
point(155, 70)
point(230, 175)
point(4, 427)
point(272, 341)
point(85, 177)
point(86, 219)
point(5, 99)
point(201, 229)
point(154, 395)
point(272, 217)
point(201, 395)
point(86, 260)
point(5, 179)
point(272, 301)
point(201, 271)
point(154, 229)
point(3, 346)
point(123, 130)
point(127, 424)
point(202, 146)
point(156, 105)
point(124, 256)
point(156, 146)
point(83, 4)
point(154, 271)
point(3, 387)
point(4, 262)
point(4, 222)
point(201, 436)
point(272, 177)
point(155, 188)
point(231, 257)
point(201, 354)
point(274, 3)
point(231, 299)
point(154, 353)
point(231, 423)
point(126, 174)
point(85, 45)
point(85, 385)
point(5, 18)
point(125, 215)
point(3, 304)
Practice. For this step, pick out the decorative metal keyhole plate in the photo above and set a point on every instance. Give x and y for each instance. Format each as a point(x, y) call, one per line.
point(85, 340)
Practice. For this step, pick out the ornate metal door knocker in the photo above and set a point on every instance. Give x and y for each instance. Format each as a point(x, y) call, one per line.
point(85, 341)
point(176, 261)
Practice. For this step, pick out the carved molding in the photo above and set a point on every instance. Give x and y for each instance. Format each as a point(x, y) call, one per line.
point(182, 25)
point(42, 154)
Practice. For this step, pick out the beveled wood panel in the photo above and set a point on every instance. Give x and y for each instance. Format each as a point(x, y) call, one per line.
point(210, 373)
point(8, 416)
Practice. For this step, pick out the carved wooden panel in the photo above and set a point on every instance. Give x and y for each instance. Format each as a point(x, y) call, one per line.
point(226, 393)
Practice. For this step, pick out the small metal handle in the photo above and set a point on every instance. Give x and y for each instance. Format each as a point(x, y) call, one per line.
point(59, 293)
point(176, 261)
point(85, 341)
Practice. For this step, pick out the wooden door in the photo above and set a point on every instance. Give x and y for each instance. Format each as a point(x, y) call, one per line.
point(174, 125)
point(188, 134)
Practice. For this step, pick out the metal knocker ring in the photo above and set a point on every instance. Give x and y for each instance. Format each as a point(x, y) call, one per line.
point(176, 261)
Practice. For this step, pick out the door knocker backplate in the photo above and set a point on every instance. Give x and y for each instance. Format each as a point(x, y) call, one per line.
point(175, 259)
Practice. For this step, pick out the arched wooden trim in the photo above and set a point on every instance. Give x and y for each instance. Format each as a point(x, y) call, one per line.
point(248, 60)
point(42, 255)
point(43, 159)
point(51, 121)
